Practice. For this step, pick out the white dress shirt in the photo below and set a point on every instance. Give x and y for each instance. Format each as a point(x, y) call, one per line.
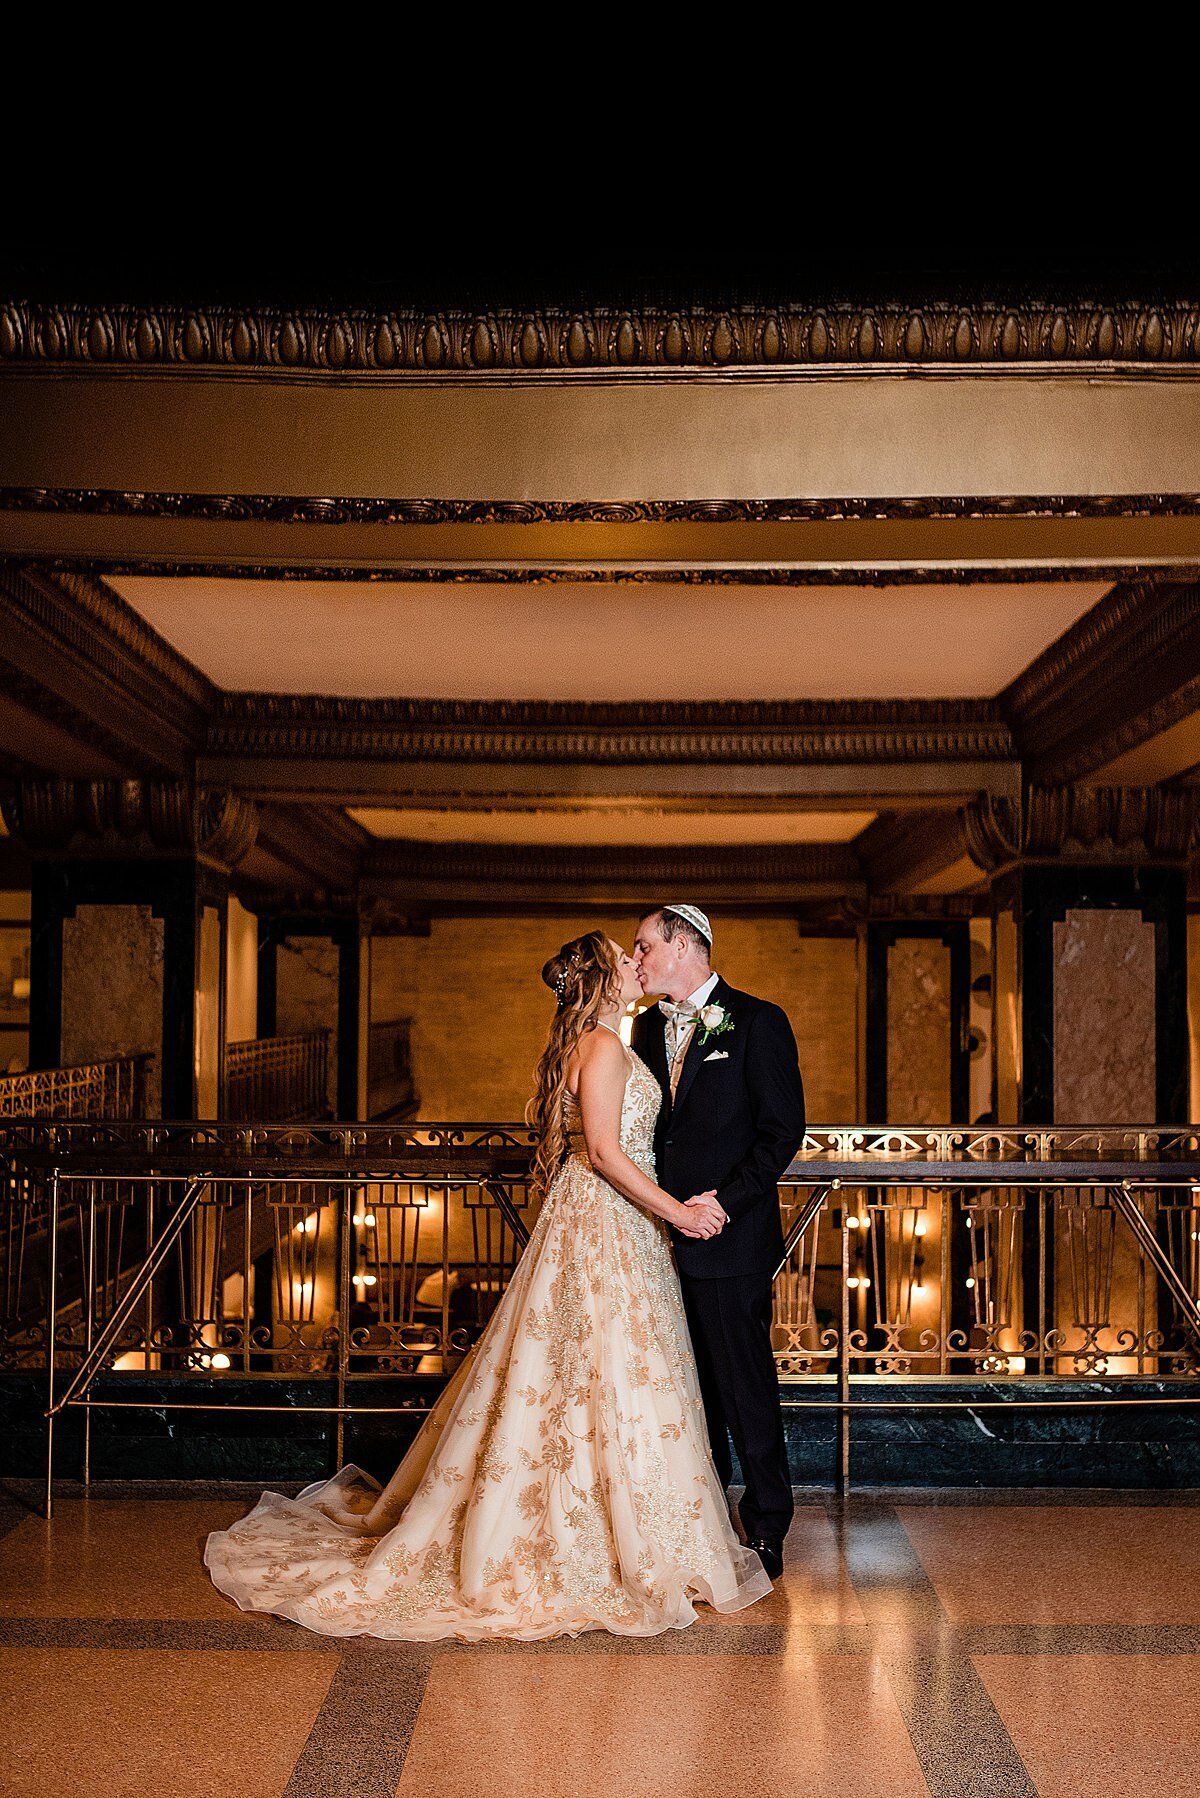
point(700, 997)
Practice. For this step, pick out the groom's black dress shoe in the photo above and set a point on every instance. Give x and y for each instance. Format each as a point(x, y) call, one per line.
point(770, 1554)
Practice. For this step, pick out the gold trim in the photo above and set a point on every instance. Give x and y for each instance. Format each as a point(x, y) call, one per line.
point(522, 574)
point(1129, 660)
point(619, 340)
point(273, 508)
point(299, 726)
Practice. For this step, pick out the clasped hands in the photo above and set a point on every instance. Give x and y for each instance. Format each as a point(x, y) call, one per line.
point(708, 1217)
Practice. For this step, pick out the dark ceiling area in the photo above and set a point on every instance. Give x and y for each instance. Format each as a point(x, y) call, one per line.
point(484, 267)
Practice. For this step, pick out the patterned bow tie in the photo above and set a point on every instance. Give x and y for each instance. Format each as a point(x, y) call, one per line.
point(679, 1014)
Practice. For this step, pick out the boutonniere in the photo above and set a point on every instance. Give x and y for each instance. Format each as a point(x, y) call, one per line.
point(714, 1021)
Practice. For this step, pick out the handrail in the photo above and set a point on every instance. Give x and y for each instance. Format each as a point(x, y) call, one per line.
point(949, 1253)
point(1135, 1217)
point(86, 1372)
point(114, 1088)
point(281, 1077)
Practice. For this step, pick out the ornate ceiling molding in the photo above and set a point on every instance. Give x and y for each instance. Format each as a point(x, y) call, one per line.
point(902, 849)
point(319, 841)
point(615, 340)
point(275, 725)
point(129, 817)
point(492, 871)
point(525, 574)
point(820, 916)
point(75, 648)
point(1093, 824)
point(1127, 670)
point(273, 508)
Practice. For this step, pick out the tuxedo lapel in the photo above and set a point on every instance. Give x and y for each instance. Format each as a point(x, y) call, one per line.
point(654, 1041)
point(695, 1051)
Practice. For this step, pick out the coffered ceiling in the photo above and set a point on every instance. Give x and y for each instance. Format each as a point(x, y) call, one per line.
point(464, 606)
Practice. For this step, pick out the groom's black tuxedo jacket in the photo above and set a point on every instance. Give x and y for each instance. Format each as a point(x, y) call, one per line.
point(737, 1120)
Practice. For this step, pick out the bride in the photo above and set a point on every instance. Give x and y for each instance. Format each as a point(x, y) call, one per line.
point(563, 1482)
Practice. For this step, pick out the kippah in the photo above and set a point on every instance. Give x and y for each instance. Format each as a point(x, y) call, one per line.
point(692, 915)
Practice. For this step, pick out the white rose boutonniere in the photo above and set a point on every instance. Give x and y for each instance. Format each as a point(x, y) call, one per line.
point(714, 1020)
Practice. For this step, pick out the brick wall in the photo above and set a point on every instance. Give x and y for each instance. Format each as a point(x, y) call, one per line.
point(480, 1013)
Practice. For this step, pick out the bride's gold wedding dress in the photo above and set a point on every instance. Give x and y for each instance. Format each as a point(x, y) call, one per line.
point(563, 1481)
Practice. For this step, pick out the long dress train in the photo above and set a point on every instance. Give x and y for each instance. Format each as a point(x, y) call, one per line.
point(562, 1483)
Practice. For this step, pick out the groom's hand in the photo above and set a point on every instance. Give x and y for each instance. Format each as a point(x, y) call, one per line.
point(710, 1216)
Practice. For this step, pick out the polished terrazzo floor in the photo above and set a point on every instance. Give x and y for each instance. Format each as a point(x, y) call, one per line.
point(996, 1645)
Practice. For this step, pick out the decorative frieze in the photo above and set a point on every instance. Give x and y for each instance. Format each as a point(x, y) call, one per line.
point(1128, 669)
point(521, 342)
point(270, 724)
point(274, 508)
point(129, 817)
point(1093, 824)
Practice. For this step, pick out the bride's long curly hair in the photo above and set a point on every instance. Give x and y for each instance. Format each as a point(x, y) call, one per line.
point(584, 977)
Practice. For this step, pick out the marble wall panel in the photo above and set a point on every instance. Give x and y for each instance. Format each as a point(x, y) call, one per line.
point(1104, 1072)
point(918, 1031)
point(112, 988)
point(1104, 1023)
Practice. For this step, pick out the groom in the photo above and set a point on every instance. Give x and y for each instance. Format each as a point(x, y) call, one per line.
point(732, 1118)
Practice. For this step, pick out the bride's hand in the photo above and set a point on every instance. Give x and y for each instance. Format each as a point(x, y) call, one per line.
point(706, 1218)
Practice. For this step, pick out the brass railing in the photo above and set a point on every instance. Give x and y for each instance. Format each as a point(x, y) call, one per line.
point(278, 1077)
point(1012, 1255)
point(114, 1089)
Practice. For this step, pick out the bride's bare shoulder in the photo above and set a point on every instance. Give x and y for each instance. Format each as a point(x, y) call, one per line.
point(601, 1043)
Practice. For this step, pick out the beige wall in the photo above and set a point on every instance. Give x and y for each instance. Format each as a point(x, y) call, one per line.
point(480, 1013)
point(241, 974)
point(1193, 1013)
point(14, 966)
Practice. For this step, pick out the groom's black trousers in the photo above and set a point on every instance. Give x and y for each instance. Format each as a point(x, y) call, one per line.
point(730, 1325)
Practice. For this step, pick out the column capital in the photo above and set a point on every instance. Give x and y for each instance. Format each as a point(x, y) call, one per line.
point(1107, 825)
point(129, 818)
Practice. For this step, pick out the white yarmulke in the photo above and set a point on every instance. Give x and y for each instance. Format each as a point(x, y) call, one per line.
point(695, 917)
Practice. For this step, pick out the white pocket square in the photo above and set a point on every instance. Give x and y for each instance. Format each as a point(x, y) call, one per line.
point(718, 1055)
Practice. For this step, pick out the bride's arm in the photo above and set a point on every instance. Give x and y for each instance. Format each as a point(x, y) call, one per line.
point(603, 1070)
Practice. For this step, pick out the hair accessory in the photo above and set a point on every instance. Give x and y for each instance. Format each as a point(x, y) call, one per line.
point(563, 975)
point(691, 914)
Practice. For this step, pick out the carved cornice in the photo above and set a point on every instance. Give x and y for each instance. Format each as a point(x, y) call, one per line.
point(495, 869)
point(1127, 670)
point(819, 916)
point(528, 574)
point(273, 508)
point(129, 817)
point(111, 679)
point(600, 338)
point(1092, 824)
point(320, 841)
point(902, 850)
point(275, 725)
point(45, 702)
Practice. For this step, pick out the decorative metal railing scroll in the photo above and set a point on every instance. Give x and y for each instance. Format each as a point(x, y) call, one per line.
point(278, 1077)
point(113, 1089)
point(1010, 1253)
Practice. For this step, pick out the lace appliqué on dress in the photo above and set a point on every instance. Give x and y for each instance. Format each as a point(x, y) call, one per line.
point(562, 1483)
